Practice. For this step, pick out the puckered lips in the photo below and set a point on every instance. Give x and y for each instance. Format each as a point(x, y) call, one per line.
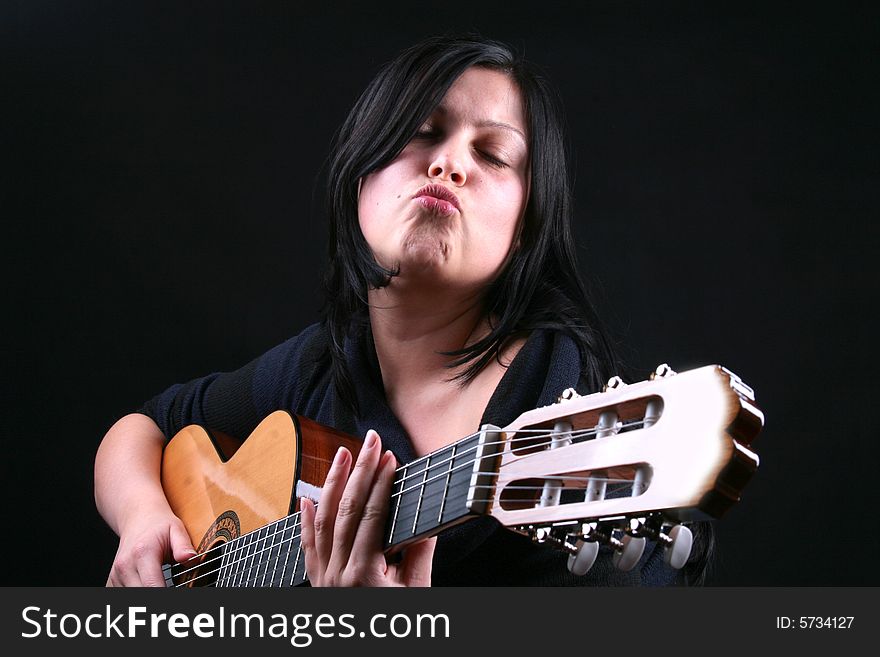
point(437, 199)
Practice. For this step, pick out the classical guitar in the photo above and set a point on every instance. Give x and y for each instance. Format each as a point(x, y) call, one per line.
point(618, 467)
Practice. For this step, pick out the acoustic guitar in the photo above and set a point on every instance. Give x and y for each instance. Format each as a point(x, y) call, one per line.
point(618, 467)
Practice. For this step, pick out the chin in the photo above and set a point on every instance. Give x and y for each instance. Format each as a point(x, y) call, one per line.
point(424, 254)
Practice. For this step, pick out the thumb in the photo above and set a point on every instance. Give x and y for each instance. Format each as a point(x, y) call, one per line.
point(415, 567)
point(181, 546)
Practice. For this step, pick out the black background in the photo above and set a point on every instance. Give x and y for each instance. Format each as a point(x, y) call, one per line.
point(161, 218)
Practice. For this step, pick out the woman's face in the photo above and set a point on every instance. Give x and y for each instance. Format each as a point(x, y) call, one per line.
point(447, 210)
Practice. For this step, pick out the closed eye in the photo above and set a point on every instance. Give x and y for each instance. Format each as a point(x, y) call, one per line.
point(494, 161)
point(427, 133)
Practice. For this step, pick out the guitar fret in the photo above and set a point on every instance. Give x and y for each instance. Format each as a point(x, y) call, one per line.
point(240, 544)
point(421, 494)
point(272, 556)
point(285, 541)
point(290, 543)
point(459, 480)
point(408, 499)
point(434, 491)
point(296, 563)
point(221, 571)
point(276, 548)
point(280, 549)
point(238, 558)
point(260, 563)
point(397, 489)
point(247, 564)
point(241, 562)
point(254, 570)
point(446, 484)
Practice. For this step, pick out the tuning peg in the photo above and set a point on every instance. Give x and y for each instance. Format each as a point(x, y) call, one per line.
point(662, 372)
point(678, 549)
point(633, 548)
point(581, 561)
point(677, 542)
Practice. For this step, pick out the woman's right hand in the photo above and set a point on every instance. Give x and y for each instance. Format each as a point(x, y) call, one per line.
point(129, 496)
point(147, 541)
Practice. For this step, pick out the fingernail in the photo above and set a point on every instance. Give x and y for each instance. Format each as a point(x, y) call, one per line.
point(372, 439)
point(340, 454)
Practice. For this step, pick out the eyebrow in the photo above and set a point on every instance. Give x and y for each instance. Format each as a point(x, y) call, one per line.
point(489, 123)
point(505, 126)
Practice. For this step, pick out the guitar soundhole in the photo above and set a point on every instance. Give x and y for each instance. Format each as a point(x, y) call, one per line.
point(577, 487)
point(204, 568)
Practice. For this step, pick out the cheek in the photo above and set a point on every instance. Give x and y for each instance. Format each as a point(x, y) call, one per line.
point(370, 207)
point(509, 202)
point(380, 196)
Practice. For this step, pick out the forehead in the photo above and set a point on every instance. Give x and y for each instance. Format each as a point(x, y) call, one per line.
point(482, 96)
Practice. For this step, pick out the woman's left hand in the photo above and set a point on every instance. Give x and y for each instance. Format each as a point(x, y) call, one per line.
point(342, 537)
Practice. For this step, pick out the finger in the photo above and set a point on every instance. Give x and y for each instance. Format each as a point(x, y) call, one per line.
point(368, 542)
point(418, 560)
point(124, 572)
point(149, 567)
point(307, 540)
point(325, 513)
point(350, 513)
point(181, 547)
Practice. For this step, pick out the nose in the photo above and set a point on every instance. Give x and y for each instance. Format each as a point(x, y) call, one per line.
point(445, 166)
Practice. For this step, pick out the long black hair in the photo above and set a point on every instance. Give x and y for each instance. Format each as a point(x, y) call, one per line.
point(540, 286)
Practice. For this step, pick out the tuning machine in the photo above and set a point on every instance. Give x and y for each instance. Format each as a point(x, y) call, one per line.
point(677, 539)
point(628, 540)
point(628, 549)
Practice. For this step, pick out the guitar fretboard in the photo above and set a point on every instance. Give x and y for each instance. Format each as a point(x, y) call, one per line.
point(431, 493)
point(270, 556)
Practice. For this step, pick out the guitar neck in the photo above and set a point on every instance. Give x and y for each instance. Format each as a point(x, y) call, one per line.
point(429, 495)
point(434, 492)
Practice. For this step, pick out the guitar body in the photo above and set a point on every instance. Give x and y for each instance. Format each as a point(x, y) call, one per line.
point(221, 492)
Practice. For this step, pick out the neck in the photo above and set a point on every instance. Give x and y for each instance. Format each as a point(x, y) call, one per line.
point(416, 329)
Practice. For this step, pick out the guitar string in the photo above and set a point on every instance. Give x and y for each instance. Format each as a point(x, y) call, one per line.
point(252, 556)
point(292, 528)
point(280, 546)
point(422, 484)
point(541, 433)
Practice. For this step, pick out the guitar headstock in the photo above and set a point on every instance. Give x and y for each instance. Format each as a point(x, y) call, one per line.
point(623, 465)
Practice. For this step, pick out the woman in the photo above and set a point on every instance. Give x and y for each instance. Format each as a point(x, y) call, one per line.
point(453, 299)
